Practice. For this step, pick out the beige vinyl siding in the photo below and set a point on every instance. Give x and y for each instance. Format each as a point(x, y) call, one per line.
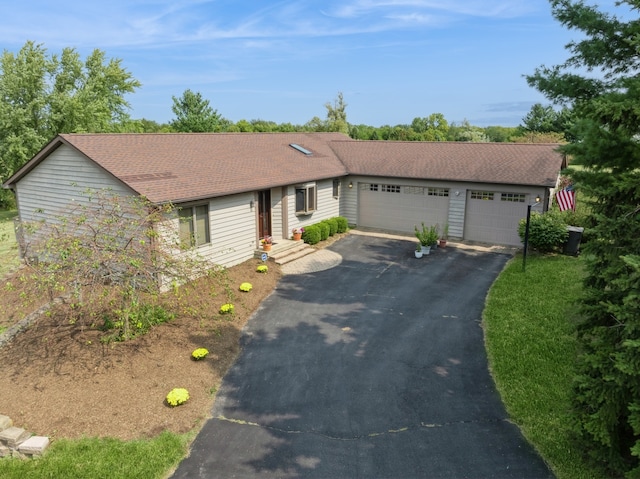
point(277, 219)
point(457, 203)
point(349, 199)
point(62, 178)
point(232, 225)
point(327, 206)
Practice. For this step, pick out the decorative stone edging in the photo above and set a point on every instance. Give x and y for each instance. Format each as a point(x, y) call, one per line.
point(16, 442)
point(17, 328)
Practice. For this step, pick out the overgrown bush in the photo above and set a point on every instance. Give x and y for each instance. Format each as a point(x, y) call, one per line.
point(333, 226)
point(546, 231)
point(343, 224)
point(324, 230)
point(311, 235)
point(133, 321)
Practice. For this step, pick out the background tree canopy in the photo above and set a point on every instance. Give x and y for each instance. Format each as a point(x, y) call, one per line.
point(43, 95)
point(600, 83)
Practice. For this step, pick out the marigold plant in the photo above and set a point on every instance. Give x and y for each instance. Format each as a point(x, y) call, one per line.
point(226, 308)
point(177, 396)
point(246, 287)
point(263, 268)
point(199, 354)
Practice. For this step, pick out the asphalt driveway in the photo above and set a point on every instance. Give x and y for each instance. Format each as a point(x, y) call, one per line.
point(372, 369)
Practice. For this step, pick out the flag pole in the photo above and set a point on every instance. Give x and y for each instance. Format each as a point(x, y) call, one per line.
point(526, 234)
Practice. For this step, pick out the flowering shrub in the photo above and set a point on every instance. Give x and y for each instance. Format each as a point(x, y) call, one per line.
point(267, 240)
point(177, 396)
point(263, 268)
point(199, 354)
point(298, 231)
point(226, 308)
point(246, 287)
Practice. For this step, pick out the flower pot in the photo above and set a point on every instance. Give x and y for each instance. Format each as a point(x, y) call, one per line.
point(418, 253)
point(297, 236)
point(426, 249)
point(266, 246)
point(442, 243)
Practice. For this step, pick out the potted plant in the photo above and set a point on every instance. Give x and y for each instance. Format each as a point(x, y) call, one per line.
point(444, 236)
point(266, 243)
point(424, 237)
point(297, 234)
point(418, 251)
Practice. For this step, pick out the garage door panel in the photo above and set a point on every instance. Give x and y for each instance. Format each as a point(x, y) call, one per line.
point(401, 209)
point(494, 219)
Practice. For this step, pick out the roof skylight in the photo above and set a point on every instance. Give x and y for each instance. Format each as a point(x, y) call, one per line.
point(300, 149)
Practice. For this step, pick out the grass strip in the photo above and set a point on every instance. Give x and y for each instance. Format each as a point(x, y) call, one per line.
point(101, 459)
point(530, 320)
point(9, 257)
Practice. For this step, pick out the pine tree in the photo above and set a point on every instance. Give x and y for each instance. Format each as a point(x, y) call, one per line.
point(600, 83)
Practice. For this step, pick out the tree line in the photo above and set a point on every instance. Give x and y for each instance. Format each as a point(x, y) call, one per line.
point(42, 95)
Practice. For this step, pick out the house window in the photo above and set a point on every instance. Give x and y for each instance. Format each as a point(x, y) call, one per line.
point(438, 192)
point(306, 199)
point(482, 195)
point(336, 188)
point(391, 188)
point(194, 225)
point(513, 197)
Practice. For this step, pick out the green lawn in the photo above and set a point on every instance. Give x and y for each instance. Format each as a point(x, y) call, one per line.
point(529, 325)
point(8, 246)
point(102, 459)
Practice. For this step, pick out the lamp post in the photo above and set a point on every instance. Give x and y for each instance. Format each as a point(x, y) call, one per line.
point(526, 233)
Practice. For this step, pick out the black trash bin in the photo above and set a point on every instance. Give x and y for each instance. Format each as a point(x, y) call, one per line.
point(572, 246)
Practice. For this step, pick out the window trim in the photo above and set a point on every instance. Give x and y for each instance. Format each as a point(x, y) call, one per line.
point(310, 191)
point(337, 186)
point(192, 218)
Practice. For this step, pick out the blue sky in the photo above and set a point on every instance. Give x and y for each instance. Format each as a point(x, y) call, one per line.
point(393, 60)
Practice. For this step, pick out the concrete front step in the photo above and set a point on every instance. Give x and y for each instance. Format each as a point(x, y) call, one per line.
point(291, 255)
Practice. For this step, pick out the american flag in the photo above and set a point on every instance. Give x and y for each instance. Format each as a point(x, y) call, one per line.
point(566, 199)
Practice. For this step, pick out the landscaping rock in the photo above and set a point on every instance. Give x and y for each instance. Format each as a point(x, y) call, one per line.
point(13, 436)
point(4, 451)
point(34, 446)
point(5, 422)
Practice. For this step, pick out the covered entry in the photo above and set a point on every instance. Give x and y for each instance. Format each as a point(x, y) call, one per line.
point(396, 207)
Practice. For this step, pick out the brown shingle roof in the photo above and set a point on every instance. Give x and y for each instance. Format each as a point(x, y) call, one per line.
point(189, 166)
point(182, 167)
point(509, 163)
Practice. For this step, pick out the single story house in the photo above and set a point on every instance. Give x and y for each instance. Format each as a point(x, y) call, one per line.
point(233, 189)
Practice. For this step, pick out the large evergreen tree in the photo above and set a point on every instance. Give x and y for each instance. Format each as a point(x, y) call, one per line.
point(600, 81)
point(194, 114)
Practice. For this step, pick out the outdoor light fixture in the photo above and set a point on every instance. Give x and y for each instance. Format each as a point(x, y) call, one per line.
point(526, 233)
point(351, 184)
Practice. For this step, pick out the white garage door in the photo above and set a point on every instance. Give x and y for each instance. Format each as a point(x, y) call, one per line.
point(492, 217)
point(397, 207)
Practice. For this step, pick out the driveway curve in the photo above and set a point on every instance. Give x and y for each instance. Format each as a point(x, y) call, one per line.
point(375, 368)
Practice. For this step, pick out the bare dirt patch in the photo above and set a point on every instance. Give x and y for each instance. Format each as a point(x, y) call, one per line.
point(59, 380)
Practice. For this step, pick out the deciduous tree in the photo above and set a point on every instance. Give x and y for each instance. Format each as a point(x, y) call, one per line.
point(42, 96)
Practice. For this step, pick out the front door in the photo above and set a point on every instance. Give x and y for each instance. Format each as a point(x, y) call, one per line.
point(264, 213)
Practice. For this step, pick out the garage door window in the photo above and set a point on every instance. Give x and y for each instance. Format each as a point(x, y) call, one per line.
point(482, 195)
point(391, 188)
point(513, 197)
point(438, 192)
